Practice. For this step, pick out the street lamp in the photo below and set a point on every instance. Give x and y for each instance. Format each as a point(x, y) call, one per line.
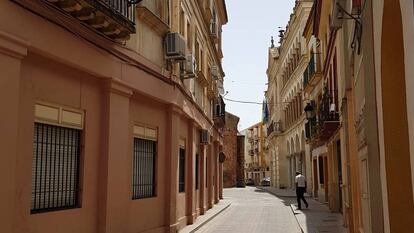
point(309, 111)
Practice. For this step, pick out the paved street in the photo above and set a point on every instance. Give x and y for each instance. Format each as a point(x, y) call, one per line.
point(253, 210)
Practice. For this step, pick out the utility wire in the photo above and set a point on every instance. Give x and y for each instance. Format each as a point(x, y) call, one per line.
point(251, 102)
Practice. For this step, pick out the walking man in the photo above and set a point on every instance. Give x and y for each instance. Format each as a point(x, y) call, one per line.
point(300, 189)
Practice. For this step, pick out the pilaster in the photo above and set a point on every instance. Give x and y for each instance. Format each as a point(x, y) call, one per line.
point(114, 176)
point(173, 127)
point(190, 188)
point(203, 153)
point(12, 51)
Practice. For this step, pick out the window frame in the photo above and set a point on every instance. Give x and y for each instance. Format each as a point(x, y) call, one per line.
point(135, 193)
point(60, 148)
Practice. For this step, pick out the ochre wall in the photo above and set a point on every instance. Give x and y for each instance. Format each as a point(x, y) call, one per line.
point(395, 122)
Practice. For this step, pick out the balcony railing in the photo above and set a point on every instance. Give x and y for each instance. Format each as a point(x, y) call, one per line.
point(274, 128)
point(113, 18)
point(313, 71)
point(219, 116)
point(322, 127)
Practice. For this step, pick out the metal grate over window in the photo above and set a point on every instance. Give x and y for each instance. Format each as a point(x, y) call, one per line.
point(197, 161)
point(55, 168)
point(181, 182)
point(144, 169)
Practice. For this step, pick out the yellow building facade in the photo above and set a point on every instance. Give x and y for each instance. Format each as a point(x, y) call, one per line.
point(256, 158)
point(285, 127)
point(358, 129)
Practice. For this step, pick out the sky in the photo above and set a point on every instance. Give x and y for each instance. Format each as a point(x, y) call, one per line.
point(246, 39)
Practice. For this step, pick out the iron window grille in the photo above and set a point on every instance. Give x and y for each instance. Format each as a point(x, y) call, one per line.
point(197, 160)
point(181, 181)
point(144, 169)
point(206, 172)
point(55, 168)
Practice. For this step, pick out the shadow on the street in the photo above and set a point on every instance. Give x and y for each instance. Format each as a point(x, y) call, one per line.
point(317, 215)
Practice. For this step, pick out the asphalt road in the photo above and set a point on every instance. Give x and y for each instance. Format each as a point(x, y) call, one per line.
point(253, 210)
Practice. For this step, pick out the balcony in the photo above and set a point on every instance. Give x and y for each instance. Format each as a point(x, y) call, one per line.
point(212, 91)
point(219, 116)
point(274, 129)
point(328, 116)
point(114, 19)
point(154, 14)
point(323, 127)
point(313, 73)
point(251, 152)
point(202, 79)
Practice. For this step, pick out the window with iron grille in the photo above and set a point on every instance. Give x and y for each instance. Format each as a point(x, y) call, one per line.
point(144, 169)
point(206, 172)
point(181, 181)
point(55, 168)
point(197, 160)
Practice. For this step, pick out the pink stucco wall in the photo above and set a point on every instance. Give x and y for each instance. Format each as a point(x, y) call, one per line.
point(58, 67)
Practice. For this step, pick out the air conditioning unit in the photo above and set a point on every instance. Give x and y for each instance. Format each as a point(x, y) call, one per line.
point(213, 29)
point(337, 14)
point(190, 65)
point(214, 71)
point(204, 136)
point(175, 46)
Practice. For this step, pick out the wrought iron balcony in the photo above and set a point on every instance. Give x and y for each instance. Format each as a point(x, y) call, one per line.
point(275, 128)
point(219, 117)
point(328, 116)
point(322, 127)
point(313, 72)
point(212, 91)
point(112, 18)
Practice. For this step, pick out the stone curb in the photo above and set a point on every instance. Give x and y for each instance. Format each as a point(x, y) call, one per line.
point(210, 218)
point(297, 221)
point(291, 208)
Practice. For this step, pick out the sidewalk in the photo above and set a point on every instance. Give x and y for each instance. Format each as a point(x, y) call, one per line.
point(316, 219)
point(208, 216)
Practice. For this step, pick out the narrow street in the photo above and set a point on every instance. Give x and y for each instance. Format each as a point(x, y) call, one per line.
point(253, 210)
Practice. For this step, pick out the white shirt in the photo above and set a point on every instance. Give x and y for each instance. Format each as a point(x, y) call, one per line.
point(300, 179)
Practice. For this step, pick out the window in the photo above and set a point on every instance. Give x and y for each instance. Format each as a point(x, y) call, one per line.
point(144, 168)
point(189, 45)
point(321, 172)
point(55, 168)
point(197, 177)
point(181, 182)
point(206, 172)
point(182, 22)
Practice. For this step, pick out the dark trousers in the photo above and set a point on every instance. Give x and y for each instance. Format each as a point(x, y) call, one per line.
point(300, 191)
